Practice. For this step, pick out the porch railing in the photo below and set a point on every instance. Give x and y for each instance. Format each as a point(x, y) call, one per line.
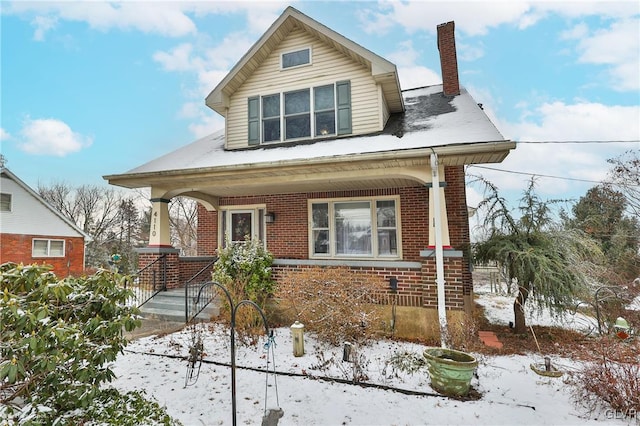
point(149, 281)
point(197, 295)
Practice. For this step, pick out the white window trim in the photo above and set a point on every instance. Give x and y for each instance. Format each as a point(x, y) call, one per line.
point(49, 241)
point(309, 48)
point(374, 228)
point(255, 209)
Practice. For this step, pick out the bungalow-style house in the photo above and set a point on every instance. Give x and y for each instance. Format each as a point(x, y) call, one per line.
point(329, 162)
point(32, 231)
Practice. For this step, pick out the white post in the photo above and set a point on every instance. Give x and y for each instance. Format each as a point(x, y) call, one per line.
point(442, 313)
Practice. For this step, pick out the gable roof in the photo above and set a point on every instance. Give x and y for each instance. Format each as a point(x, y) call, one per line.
point(383, 71)
point(454, 127)
point(4, 172)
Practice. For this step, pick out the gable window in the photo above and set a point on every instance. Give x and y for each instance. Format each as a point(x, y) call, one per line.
point(306, 113)
point(241, 222)
point(5, 202)
point(296, 59)
point(47, 248)
point(366, 228)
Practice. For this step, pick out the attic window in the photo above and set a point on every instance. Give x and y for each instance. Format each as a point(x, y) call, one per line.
point(296, 59)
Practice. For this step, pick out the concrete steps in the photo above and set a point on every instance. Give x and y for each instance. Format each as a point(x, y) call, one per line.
point(170, 306)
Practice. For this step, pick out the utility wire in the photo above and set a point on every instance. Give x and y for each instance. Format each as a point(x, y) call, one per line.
point(538, 174)
point(570, 142)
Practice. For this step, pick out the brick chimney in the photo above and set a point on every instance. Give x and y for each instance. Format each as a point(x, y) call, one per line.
point(448, 59)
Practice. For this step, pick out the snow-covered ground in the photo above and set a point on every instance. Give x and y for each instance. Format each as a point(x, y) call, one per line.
point(510, 392)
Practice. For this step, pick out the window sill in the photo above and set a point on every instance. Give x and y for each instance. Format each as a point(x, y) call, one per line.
point(375, 263)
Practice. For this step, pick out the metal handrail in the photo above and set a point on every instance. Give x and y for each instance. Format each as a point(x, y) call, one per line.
point(197, 296)
point(149, 281)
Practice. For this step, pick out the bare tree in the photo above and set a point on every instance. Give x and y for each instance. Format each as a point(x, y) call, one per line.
point(625, 176)
point(94, 209)
point(183, 218)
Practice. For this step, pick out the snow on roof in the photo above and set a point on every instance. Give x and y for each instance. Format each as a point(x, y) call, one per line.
point(430, 120)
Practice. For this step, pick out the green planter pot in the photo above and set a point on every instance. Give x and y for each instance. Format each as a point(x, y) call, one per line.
point(451, 371)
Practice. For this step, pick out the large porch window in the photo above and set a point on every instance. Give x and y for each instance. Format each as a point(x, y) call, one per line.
point(359, 228)
point(237, 223)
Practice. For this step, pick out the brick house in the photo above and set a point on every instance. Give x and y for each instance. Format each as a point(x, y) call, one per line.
point(32, 231)
point(329, 162)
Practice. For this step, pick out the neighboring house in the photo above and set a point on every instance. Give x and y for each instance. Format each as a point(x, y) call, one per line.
point(32, 231)
point(327, 161)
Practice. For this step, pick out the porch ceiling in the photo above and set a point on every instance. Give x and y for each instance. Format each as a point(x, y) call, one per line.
point(399, 169)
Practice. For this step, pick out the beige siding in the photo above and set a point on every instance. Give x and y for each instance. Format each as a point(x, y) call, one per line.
point(328, 66)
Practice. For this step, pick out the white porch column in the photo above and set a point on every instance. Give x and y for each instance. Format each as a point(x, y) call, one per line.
point(159, 235)
point(444, 223)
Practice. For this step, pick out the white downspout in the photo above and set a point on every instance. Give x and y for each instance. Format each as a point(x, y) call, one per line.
point(437, 223)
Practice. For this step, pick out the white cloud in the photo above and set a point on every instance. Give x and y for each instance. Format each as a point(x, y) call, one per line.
point(557, 121)
point(51, 137)
point(473, 18)
point(617, 47)
point(4, 135)
point(177, 59)
point(42, 25)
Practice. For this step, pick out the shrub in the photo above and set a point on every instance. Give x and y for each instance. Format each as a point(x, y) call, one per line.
point(244, 269)
point(339, 304)
point(613, 377)
point(57, 338)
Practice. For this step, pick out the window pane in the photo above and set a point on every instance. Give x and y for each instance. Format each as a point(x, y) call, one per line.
point(325, 123)
point(271, 130)
point(40, 247)
point(320, 215)
point(240, 226)
point(321, 241)
point(271, 106)
point(297, 127)
point(387, 242)
point(5, 202)
point(293, 59)
point(56, 248)
point(297, 102)
point(353, 228)
point(386, 212)
point(323, 98)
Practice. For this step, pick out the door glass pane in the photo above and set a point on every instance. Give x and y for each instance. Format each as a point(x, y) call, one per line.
point(353, 228)
point(56, 248)
point(40, 247)
point(241, 224)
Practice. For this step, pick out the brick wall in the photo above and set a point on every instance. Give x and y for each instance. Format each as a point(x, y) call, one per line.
point(18, 248)
point(287, 237)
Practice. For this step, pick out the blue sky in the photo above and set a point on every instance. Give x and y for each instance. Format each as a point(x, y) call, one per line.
point(95, 88)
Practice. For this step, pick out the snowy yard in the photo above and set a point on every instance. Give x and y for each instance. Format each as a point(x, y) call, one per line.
point(509, 391)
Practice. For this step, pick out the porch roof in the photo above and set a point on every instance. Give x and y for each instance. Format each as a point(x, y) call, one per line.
point(455, 128)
